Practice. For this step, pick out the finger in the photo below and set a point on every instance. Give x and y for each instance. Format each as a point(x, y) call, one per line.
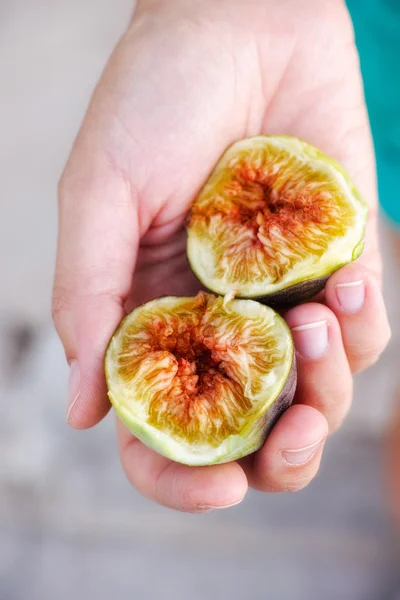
point(290, 457)
point(324, 377)
point(97, 244)
point(177, 486)
point(355, 297)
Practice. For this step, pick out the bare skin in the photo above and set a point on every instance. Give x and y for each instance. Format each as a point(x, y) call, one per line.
point(189, 78)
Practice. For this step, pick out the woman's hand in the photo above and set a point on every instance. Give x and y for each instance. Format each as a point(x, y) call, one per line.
point(189, 78)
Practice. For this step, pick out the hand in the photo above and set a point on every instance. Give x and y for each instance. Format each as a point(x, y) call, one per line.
point(188, 79)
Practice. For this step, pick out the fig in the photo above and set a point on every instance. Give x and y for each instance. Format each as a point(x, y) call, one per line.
point(201, 380)
point(275, 219)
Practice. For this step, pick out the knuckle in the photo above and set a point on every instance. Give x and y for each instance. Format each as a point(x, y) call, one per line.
point(366, 358)
point(387, 337)
point(339, 407)
point(337, 418)
point(334, 404)
point(61, 187)
point(361, 364)
point(60, 303)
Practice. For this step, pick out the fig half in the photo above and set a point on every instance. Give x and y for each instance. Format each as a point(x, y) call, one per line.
point(201, 380)
point(274, 220)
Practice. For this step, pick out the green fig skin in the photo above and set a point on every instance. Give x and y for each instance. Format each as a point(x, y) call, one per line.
point(304, 286)
point(254, 431)
point(260, 429)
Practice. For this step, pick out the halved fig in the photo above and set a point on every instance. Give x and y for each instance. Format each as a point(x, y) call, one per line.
point(274, 220)
point(201, 380)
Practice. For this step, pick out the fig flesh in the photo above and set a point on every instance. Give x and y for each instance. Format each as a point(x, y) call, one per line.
point(201, 380)
point(274, 220)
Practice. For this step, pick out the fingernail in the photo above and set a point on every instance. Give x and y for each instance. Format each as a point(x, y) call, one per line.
point(209, 507)
point(311, 339)
point(351, 295)
point(302, 455)
point(74, 386)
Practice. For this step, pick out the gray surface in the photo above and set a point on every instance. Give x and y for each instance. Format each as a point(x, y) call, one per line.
point(70, 525)
point(83, 532)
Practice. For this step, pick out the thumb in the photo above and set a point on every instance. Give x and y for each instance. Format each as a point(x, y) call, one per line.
point(97, 247)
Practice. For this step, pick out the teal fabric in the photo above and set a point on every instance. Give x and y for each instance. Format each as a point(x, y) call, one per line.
point(377, 30)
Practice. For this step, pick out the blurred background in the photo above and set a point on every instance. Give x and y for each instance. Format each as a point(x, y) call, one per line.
point(70, 525)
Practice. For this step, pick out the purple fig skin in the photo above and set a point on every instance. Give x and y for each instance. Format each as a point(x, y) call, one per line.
point(283, 402)
point(269, 419)
point(256, 427)
point(295, 294)
point(248, 168)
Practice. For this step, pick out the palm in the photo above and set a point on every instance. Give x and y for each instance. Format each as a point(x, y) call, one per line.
point(181, 119)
